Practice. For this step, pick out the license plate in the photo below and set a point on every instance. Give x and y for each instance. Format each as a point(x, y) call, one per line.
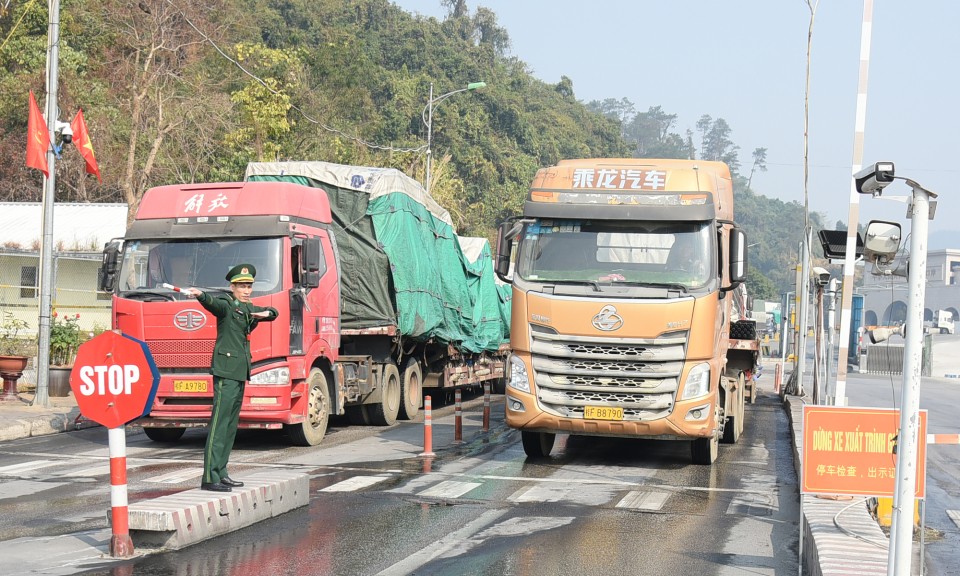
point(189, 385)
point(602, 413)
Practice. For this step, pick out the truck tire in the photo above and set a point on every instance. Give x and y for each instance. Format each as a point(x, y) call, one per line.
point(358, 415)
point(384, 413)
point(744, 330)
point(733, 426)
point(311, 431)
point(537, 444)
point(411, 389)
point(164, 434)
point(705, 450)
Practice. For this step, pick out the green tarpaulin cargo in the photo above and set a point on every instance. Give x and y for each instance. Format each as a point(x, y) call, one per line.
point(401, 260)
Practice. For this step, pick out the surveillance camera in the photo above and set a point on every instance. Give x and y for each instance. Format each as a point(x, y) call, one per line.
point(823, 275)
point(884, 333)
point(873, 179)
point(66, 132)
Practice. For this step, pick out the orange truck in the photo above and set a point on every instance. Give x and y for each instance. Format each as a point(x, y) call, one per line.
point(624, 274)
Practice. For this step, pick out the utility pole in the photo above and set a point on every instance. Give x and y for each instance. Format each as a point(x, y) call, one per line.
point(42, 396)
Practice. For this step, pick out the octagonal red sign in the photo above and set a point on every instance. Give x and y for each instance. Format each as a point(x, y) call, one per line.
point(114, 379)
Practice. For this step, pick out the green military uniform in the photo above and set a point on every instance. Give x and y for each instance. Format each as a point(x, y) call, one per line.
point(230, 369)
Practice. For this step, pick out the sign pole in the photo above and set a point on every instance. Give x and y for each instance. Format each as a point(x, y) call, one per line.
point(121, 546)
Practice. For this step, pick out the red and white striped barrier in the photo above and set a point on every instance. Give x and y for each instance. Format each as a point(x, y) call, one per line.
point(121, 546)
point(943, 438)
point(427, 427)
point(457, 417)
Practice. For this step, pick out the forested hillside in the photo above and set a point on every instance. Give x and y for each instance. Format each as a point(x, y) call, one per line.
point(177, 91)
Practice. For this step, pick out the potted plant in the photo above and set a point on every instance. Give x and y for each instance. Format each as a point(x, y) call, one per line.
point(65, 339)
point(16, 348)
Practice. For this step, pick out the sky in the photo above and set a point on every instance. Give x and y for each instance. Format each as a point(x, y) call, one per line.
point(745, 61)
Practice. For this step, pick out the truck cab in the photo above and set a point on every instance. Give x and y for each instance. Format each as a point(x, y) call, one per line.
point(622, 271)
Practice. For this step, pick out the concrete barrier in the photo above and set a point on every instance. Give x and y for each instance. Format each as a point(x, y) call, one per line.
point(178, 520)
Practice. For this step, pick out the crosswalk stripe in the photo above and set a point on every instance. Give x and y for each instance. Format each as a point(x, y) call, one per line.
point(176, 477)
point(449, 489)
point(26, 466)
point(540, 494)
point(354, 484)
point(643, 500)
point(955, 516)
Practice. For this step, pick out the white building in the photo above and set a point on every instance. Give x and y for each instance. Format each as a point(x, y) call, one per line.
point(79, 234)
point(885, 298)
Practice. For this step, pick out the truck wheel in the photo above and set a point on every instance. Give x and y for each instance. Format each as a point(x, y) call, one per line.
point(537, 444)
point(733, 426)
point(164, 434)
point(311, 431)
point(411, 389)
point(705, 450)
point(358, 415)
point(385, 412)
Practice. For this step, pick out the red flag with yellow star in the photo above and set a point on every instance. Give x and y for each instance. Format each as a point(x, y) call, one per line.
point(81, 138)
point(38, 139)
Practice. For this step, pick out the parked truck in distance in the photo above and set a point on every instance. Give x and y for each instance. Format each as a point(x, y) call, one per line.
point(377, 296)
point(941, 323)
point(625, 276)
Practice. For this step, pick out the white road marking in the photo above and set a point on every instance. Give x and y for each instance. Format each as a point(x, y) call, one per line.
point(540, 494)
point(354, 484)
point(642, 500)
point(177, 476)
point(16, 469)
point(410, 564)
point(18, 488)
point(449, 489)
point(955, 516)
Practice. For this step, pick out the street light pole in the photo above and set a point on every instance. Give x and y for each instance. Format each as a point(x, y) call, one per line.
point(901, 531)
point(427, 117)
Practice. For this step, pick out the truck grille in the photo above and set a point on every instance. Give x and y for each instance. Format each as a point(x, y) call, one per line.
point(182, 353)
point(640, 375)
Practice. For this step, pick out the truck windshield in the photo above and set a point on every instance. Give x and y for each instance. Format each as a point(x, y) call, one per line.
point(201, 263)
point(644, 253)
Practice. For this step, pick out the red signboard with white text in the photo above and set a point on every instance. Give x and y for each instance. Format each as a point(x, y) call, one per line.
point(852, 451)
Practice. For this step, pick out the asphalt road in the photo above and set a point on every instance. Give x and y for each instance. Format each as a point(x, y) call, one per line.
point(596, 506)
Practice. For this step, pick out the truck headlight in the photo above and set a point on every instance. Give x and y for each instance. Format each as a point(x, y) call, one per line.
point(275, 376)
point(518, 375)
point(698, 382)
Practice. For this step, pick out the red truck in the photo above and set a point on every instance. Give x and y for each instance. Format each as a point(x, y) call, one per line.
point(376, 297)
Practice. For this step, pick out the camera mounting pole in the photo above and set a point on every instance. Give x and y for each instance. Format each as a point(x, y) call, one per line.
point(901, 532)
point(49, 191)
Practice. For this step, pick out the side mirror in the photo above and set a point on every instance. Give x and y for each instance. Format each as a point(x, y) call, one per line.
point(738, 257)
point(881, 241)
point(506, 233)
point(107, 278)
point(312, 263)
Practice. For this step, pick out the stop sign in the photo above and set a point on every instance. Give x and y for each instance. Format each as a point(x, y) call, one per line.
point(114, 379)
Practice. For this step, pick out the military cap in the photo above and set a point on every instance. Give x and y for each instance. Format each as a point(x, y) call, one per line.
point(241, 273)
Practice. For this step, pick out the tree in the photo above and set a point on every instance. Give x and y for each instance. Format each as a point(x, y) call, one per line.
point(759, 163)
point(158, 85)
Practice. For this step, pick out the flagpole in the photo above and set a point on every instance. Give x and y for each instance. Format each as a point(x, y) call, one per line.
point(49, 187)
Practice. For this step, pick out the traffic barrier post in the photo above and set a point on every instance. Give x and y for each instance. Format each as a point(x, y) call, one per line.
point(427, 427)
point(458, 418)
point(121, 546)
point(486, 406)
